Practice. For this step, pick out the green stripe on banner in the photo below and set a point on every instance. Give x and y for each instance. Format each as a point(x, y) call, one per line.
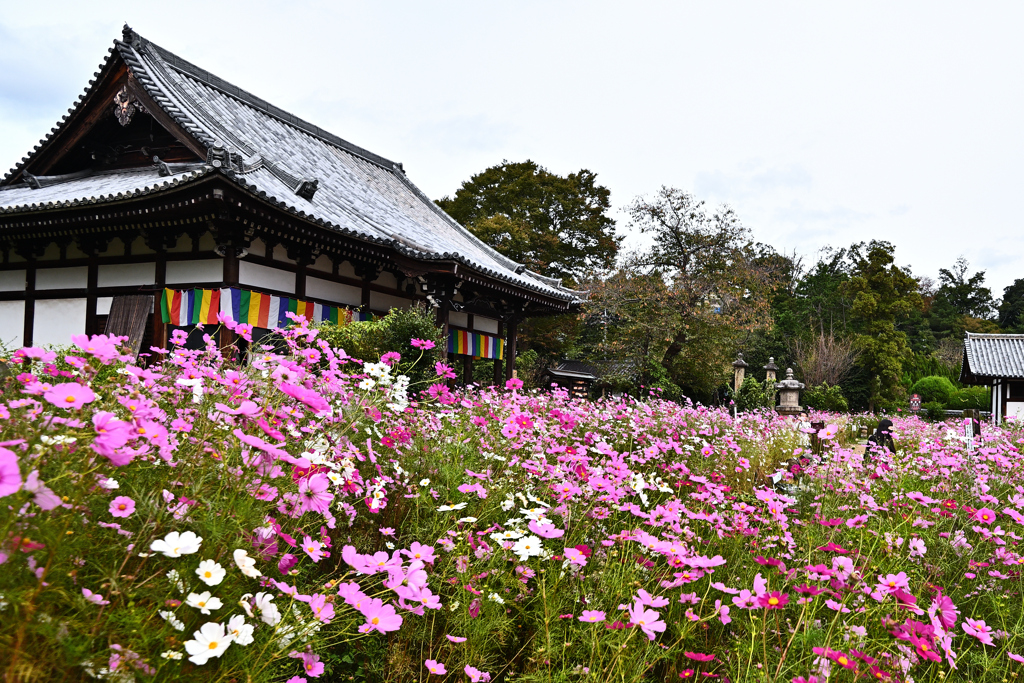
point(293, 306)
point(165, 313)
point(243, 306)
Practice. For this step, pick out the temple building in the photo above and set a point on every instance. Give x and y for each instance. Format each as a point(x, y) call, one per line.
point(996, 361)
point(166, 195)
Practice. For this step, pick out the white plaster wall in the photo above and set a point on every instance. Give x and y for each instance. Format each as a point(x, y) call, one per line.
point(281, 254)
point(322, 263)
point(12, 280)
point(488, 325)
point(387, 279)
point(56, 320)
point(126, 274)
point(206, 270)
point(255, 275)
point(52, 252)
point(12, 323)
point(458, 318)
point(115, 248)
point(333, 291)
point(385, 302)
point(184, 243)
point(258, 248)
point(103, 304)
point(62, 278)
point(346, 269)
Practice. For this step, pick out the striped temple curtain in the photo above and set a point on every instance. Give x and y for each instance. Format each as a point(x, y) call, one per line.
point(195, 306)
point(465, 343)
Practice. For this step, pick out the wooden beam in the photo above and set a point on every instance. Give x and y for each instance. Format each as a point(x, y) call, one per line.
point(165, 120)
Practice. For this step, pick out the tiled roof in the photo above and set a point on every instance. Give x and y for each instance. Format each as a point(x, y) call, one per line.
point(993, 355)
point(95, 188)
point(358, 193)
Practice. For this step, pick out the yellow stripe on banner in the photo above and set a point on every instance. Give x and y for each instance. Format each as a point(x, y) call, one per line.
point(204, 309)
point(254, 308)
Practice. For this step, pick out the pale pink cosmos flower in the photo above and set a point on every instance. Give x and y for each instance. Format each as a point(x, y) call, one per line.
point(647, 619)
point(41, 494)
point(455, 639)
point(575, 557)
point(10, 474)
point(379, 617)
point(313, 548)
point(435, 667)
point(122, 506)
point(892, 582)
point(979, 629)
point(476, 675)
point(94, 598)
point(592, 616)
point(70, 395)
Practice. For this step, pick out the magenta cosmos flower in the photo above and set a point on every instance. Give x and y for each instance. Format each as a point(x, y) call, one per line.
point(979, 629)
point(773, 600)
point(70, 395)
point(122, 506)
point(10, 475)
point(422, 344)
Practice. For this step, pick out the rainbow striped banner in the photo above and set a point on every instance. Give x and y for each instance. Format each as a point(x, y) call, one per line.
point(194, 306)
point(466, 343)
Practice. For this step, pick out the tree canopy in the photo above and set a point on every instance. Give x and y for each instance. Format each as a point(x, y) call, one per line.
point(555, 225)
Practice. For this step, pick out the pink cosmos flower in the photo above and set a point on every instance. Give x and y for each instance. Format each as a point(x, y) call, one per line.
point(379, 617)
point(1016, 658)
point(893, 582)
point(443, 371)
point(575, 557)
point(10, 474)
point(647, 619)
point(646, 598)
point(592, 616)
point(314, 494)
point(984, 515)
point(435, 667)
point(545, 530)
point(322, 610)
point(422, 344)
point(418, 551)
point(313, 548)
point(476, 675)
point(41, 494)
point(979, 629)
point(122, 506)
point(391, 358)
point(455, 639)
point(514, 383)
point(70, 395)
point(943, 610)
point(311, 664)
point(699, 657)
point(94, 598)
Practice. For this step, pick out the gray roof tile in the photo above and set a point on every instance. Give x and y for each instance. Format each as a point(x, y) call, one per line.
point(993, 355)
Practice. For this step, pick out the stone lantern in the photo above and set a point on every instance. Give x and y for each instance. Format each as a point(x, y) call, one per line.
point(789, 395)
point(770, 370)
point(739, 368)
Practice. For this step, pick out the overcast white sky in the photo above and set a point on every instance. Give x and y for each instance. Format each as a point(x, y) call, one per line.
point(820, 123)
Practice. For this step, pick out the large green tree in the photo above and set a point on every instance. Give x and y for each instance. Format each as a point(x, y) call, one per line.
point(720, 283)
point(962, 302)
point(883, 295)
point(556, 225)
point(1011, 310)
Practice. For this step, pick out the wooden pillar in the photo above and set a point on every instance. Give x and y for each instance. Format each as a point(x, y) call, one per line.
point(230, 277)
point(300, 280)
point(365, 301)
point(497, 361)
point(159, 328)
point(30, 302)
point(510, 345)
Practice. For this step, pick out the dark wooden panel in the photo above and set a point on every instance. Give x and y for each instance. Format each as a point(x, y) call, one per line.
point(128, 317)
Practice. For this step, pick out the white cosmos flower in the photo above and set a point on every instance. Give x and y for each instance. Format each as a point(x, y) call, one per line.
point(110, 484)
point(269, 612)
point(203, 602)
point(176, 545)
point(506, 535)
point(508, 504)
point(175, 578)
point(467, 520)
point(457, 506)
point(240, 632)
point(246, 564)
point(211, 640)
point(210, 572)
point(174, 621)
point(244, 603)
point(496, 598)
point(171, 654)
point(527, 547)
point(424, 482)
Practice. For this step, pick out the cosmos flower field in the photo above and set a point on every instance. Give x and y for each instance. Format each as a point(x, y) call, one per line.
point(310, 516)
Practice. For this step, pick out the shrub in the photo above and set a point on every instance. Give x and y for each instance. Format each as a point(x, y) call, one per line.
point(934, 389)
point(971, 398)
point(825, 397)
point(392, 333)
point(754, 395)
point(935, 411)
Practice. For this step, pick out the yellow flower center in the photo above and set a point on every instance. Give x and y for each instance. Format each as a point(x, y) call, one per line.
point(773, 601)
point(213, 644)
point(70, 399)
point(843, 661)
point(375, 621)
